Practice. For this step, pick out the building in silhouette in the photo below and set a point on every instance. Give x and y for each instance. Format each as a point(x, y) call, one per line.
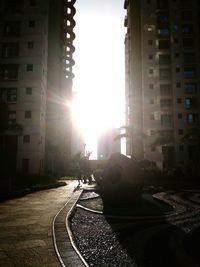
point(107, 144)
point(162, 78)
point(36, 50)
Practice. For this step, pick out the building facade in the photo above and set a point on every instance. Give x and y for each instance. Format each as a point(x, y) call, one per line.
point(36, 47)
point(162, 78)
point(108, 143)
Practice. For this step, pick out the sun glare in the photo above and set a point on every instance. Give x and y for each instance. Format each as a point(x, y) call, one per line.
point(98, 101)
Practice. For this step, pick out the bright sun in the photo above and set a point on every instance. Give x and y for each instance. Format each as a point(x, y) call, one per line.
point(98, 101)
point(93, 114)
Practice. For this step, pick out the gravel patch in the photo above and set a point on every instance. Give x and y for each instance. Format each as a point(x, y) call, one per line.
point(171, 241)
point(97, 241)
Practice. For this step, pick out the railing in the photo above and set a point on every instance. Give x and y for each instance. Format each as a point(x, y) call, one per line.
point(68, 24)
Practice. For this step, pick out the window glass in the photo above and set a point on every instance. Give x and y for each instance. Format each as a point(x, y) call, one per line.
point(192, 118)
point(31, 24)
point(29, 90)
point(10, 50)
point(189, 57)
point(164, 59)
point(28, 114)
point(163, 31)
point(8, 95)
point(189, 72)
point(163, 44)
point(26, 139)
point(188, 42)
point(187, 28)
point(190, 88)
point(190, 103)
point(166, 119)
point(30, 45)
point(165, 103)
point(8, 71)
point(164, 73)
point(29, 67)
point(165, 89)
point(12, 28)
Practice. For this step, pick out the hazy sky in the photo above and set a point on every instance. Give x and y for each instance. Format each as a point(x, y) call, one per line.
point(99, 68)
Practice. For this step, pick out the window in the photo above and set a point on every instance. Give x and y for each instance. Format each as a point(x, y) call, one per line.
point(162, 4)
point(163, 17)
point(32, 3)
point(164, 44)
point(150, 56)
point(180, 115)
point(30, 45)
point(165, 73)
point(150, 28)
point(178, 85)
point(181, 148)
point(165, 103)
point(28, 90)
point(166, 119)
point(11, 118)
point(185, 3)
point(165, 89)
point(187, 103)
point(150, 42)
point(187, 28)
point(164, 59)
point(178, 69)
point(8, 95)
point(10, 50)
point(188, 42)
point(152, 132)
point(192, 118)
point(25, 165)
point(31, 24)
point(8, 72)
point(151, 71)
point(189, 57)
point(152, 117)
point(12, 95)
point(28, 114)
point(187, 15)
point(12, 28)
point(177, 55)
point(163, 31)
point(180, 131)
point(176, 28)
point(189, 72)
point(179, 100)
point(12, 7)
point(190, 88)
point(151, 86)
point(190, 103)
point(176, 40)
point(29, 67)
point(26, 139)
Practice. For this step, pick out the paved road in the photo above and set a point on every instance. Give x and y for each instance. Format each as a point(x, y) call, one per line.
point(26, 228)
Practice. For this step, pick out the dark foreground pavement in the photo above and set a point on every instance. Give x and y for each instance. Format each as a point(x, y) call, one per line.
point(26, 228)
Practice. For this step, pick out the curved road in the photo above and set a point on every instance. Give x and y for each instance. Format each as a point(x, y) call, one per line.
point(26, 228)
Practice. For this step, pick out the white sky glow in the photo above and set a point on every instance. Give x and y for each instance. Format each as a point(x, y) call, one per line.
point(99, 68)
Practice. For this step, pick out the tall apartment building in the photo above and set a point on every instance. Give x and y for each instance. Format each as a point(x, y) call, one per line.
point(107, 144)
point(162, 78)
point(36, 47)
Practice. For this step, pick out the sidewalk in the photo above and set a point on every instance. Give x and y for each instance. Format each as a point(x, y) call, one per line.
point(26, 228)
